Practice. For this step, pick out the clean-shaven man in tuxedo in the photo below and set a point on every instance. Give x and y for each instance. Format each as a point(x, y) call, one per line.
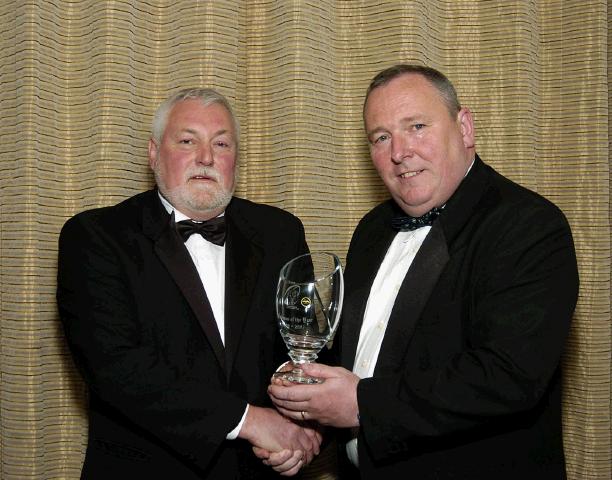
point(459, 295)
point(167, 301)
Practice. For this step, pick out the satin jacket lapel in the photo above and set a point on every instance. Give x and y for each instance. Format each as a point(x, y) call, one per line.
point(174, 255)
point(416, 289)
point(362, 271)
point(243, 260)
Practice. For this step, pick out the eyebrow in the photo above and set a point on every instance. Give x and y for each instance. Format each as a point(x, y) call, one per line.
point(375, 130)
point(405, 120)
point(195, 132)
point(223, 132)
point(414, 118)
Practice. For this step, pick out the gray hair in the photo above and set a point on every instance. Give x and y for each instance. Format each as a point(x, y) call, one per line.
point(437, 79)
point(206, 95)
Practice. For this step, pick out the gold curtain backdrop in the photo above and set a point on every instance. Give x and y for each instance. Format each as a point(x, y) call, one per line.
point(79, 81)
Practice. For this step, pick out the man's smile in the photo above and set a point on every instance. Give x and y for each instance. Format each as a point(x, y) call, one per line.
point(410, 174)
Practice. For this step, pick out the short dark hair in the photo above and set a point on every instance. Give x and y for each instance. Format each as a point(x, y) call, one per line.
point(437, 79)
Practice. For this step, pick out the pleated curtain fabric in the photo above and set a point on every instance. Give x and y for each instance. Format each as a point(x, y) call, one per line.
point(79, 82)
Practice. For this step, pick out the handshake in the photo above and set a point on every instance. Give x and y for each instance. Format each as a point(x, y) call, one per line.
point(288, 438)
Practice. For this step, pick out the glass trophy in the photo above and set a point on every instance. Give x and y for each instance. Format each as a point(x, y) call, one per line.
point(308, 305)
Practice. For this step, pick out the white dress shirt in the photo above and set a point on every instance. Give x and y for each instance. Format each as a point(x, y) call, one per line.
point(209, 260)
point(384, 290)
point(382, 296)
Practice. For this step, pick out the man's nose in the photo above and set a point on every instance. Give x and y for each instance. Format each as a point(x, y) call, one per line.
point(205, 156)
point(401, 147)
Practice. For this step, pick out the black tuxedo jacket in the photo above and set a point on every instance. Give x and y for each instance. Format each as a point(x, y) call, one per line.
point(467, 383)
point(164, 392)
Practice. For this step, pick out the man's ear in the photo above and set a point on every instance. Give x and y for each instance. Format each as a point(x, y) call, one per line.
point(466, 123)
point(153, 151)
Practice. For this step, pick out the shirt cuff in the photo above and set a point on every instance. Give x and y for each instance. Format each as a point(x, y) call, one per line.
point(234, 433)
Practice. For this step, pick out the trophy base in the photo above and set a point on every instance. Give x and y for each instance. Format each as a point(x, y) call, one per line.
point(297, 375)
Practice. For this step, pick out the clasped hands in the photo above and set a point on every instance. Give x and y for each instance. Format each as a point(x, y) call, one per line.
point(311, 407)
point(282, 444)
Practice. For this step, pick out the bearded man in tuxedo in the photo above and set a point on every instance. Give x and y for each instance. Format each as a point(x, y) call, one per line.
point(459, 294)
point(167, 301)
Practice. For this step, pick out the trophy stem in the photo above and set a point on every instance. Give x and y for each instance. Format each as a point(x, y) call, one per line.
point(299, 357)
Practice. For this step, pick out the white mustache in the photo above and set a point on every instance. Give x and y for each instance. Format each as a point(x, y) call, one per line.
point(204, 172)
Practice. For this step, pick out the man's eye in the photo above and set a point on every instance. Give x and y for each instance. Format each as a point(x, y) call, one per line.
point(186, 141)
point(419, 126)
point(222, 144)
point(381, 138)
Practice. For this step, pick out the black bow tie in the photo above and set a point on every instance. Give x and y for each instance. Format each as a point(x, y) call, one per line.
point(406, 222)
point(212, 230)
